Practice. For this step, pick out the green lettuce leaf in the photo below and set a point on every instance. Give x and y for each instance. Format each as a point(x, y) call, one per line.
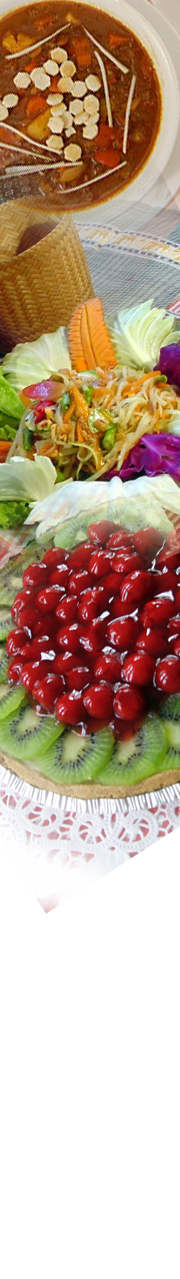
point(13, 514)
point(32, 362)
point(10, 405)
point(138, 333)
point(7, 429)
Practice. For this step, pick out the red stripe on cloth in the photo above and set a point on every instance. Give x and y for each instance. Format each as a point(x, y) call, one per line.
point(174, 306)
point(134, 902)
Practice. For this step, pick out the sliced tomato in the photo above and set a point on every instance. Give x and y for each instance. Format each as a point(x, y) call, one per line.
point(45, 391)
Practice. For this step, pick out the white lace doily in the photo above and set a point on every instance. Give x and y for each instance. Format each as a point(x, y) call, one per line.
point(59, 846)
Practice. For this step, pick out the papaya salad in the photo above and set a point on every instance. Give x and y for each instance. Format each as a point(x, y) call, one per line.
point(104, 399)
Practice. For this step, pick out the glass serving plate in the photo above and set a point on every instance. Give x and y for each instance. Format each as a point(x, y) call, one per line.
point(52, 837)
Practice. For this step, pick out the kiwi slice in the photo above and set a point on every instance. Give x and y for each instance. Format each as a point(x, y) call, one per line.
point(5, 624)
point(139, 756)
point(29, 733)
point(10, 699)
point(8, 589)
point(77, 759)
point(169, 712)
point(4, 663)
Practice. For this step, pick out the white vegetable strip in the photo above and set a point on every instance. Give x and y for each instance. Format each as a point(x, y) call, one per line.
point(38, 44)
point(106, 90)
point(127, 115)
point(107, 54)
point(18, 134)
point(9, 146)
point(37, 168)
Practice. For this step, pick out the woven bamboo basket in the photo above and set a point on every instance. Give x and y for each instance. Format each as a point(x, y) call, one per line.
point(41, 286)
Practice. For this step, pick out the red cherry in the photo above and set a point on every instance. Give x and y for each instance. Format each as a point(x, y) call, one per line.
point(45, 622)
point(38, 648)
point(147, 542)
point(69, 637)
point(98, 700)
point(92, 603)
point(100, 563)
point(177, 597)
point(48, 599)
point(138, 668)
point(70, 708)
point(153, 642)
point(35, 575)
point(79, 582)
point(59, 576)
point(128, 703)
point(167, 675)
point(173, 626)
point(123, 632)
point(78, 677)
point(28, 618)
point(158, 611)
point(126, 562)
point(136, 587)
point(63, 663)
point(176, 647)
point(23, 599)
point(31, 674)
point(66, 610)
point(164, 581)
point(112, 584)
point(15, 640)
point(48, 691)
point(79, 557)
point(168, 558)
point(120, 538)
point(91, 637)
point(119, 609)
point(55, 555)
point(14, 670)
point(108, 667)
point(99, 532)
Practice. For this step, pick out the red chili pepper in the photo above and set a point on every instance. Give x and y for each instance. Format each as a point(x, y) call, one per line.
point(40, 410)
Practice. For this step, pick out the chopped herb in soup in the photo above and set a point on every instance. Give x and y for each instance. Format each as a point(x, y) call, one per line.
point(80, 101)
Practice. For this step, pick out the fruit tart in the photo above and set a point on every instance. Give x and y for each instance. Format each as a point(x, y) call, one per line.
point(90, 665)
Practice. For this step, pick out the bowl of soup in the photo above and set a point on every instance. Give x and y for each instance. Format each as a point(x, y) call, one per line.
point(84, 103)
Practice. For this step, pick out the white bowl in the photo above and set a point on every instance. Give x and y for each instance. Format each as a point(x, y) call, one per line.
point(169, 124)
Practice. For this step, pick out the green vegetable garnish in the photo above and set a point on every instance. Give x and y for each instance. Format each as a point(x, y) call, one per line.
point(13, 513)
point(8, 432)
point(87, 391)
point(64, 401)
point(28, 438)
point(59, 477)
point(109, 438)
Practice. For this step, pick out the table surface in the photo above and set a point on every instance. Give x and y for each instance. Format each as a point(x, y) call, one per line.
point(147, 879)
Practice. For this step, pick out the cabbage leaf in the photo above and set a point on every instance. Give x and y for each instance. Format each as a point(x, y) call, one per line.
point(26, 480)
point(31, 362)
point(138, 333)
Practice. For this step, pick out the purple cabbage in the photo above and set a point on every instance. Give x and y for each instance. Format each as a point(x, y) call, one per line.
point(169, 363)
point(154, 455)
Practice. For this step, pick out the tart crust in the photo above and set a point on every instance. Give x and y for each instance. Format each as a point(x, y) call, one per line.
point(89, 790)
